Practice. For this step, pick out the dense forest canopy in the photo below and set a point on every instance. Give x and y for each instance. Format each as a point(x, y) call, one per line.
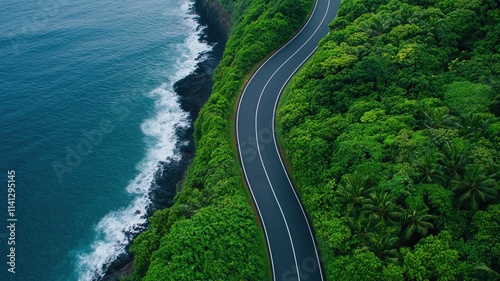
point(393, 133)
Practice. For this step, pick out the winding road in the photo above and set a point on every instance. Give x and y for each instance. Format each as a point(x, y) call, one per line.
point(290, 241)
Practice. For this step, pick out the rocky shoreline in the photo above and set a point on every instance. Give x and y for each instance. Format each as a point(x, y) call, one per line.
point(193, 90)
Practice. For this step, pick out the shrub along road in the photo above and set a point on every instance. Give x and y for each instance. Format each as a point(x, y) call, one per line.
point(290, 240)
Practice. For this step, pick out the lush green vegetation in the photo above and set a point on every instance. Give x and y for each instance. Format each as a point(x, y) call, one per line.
point(393, 133)
point(211, 232)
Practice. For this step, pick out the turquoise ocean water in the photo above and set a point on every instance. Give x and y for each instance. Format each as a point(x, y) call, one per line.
point(86, 112)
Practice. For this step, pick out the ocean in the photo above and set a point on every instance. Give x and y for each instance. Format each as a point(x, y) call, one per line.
point(87, 113)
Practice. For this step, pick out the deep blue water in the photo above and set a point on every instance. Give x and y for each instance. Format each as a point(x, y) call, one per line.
point(86, 112)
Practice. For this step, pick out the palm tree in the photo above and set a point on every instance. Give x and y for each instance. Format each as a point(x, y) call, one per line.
point(476, 187)
point(454, 157)
point(406, 15)
point(440, 117)
point(384, 246)
point(434, 27)
point(353, 193)
point(377, 25)
point(363, 225)
point(428, 168)
point(476, 124)
point(383, 208)
point(488, 269)
point(417, 220)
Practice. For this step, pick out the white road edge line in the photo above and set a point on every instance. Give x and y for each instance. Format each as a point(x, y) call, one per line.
point(286, 173)
point(239, 147)
point(274, 138)
point(279, 154)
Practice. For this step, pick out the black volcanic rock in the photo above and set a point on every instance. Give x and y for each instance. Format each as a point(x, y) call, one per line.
point(193, 90)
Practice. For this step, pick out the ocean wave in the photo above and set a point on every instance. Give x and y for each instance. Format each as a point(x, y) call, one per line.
point(115, 231)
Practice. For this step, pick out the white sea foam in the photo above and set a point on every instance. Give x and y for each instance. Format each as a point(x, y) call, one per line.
point(114, 231)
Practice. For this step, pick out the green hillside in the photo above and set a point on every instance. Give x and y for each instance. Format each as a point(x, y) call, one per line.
point(392, 131)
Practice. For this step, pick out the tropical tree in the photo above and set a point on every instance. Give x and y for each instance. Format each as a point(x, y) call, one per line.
point(476, 124)
point(362, 226)
point(377, 25)
point(361, 265)
point(432, 258)
point(383, 208)
point(440, 117)
point(454, 157)
point(384, 246)
point(406, 15)
point(427, 167)
point(476, 187)
point(495, 275)
point(353, 193)
point(417, 220)
point(486, 226)
point(435, 28)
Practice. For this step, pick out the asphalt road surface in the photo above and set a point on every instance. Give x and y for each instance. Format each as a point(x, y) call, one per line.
point(291, 246)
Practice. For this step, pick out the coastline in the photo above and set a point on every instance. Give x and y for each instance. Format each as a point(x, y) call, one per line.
point(193, 91)
point(213, 190)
